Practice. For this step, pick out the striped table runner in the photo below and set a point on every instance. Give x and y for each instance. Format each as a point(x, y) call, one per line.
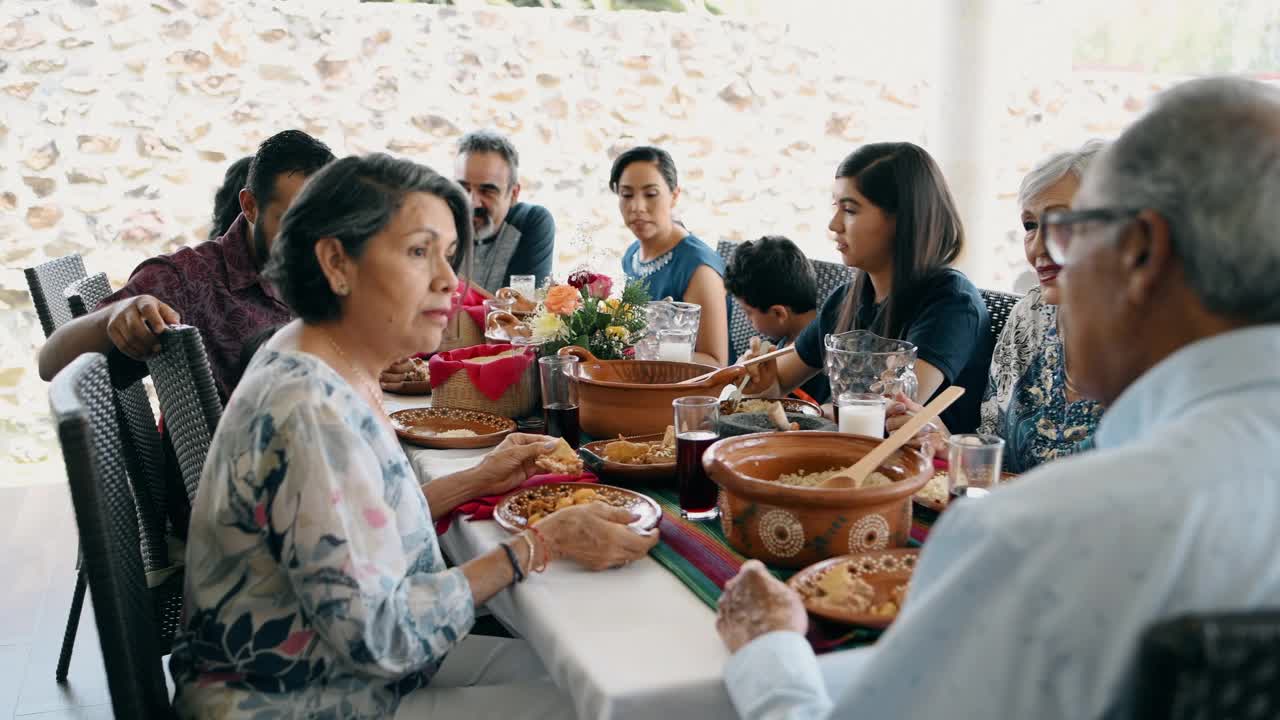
point(697, 554)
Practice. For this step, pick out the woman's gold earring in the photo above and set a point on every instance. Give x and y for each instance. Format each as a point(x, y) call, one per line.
point(342, 290)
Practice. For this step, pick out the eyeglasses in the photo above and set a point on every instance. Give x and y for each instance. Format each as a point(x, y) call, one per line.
point(1058, 225)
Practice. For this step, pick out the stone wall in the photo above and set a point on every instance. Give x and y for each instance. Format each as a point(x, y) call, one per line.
point(118, 119)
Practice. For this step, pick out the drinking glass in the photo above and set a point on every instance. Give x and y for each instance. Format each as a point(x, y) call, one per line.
point(861, 414)
point(675, 345)
point(695, 422)
point(526, 285)
point(560, 397)
point(498, 304)
point(973, 464)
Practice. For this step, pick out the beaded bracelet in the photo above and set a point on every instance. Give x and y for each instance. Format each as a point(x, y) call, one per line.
point(515, 564)
point(546, 550)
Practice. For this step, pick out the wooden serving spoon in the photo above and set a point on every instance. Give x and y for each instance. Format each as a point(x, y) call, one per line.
point(854, 476)
point(745, 363)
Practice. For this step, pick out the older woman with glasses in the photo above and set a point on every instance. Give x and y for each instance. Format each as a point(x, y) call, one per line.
point(1031, 401)
point(315, 586)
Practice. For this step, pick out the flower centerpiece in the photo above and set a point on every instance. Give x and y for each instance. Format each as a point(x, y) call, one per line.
point(582, 313)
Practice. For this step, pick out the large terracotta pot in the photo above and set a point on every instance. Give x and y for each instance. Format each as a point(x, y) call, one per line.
point(790, 526)
point(633, 397)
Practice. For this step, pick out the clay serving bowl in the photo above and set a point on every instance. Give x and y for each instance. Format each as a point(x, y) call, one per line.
point(792, 526)
point(633, 397)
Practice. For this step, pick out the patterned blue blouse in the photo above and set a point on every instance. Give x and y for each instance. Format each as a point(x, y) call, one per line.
point(668, 275)
point(314, 582)
point(1026, 398)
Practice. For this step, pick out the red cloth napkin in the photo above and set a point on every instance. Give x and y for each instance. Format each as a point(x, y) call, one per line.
point(473, 303)
point(491, 379)
point(481, 508)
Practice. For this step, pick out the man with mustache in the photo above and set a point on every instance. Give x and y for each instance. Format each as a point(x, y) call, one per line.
point(512, 238)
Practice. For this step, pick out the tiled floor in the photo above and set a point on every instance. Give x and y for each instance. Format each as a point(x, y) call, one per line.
point(37, 569)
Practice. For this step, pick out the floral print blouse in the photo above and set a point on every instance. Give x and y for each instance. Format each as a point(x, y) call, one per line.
point(1026, 397)
point(314, 581)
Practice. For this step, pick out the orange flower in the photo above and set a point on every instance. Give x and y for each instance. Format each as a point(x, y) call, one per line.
point(563, 299)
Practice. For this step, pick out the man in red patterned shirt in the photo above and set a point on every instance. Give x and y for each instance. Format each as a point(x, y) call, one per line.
point(214, 286)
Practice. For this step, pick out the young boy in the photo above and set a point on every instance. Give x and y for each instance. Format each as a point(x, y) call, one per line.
point(775, 286)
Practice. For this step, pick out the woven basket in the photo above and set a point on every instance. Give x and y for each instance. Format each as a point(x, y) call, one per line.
point(522, 399)
point(464, 333)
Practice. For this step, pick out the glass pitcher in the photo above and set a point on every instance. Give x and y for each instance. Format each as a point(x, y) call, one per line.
point(862, 362)
point(666, 315)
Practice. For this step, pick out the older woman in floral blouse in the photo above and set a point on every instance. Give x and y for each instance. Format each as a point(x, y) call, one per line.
point(314, 583)
point(1030, 400)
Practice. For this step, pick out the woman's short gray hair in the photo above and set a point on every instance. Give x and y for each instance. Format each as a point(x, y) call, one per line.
point(1207, 159)
point(351, 199)
point(1055, 167)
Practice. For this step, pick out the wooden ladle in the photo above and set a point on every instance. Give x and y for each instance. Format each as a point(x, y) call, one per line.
point(854, 476)
point(746, 363)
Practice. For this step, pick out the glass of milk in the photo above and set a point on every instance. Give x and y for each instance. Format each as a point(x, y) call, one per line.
point(675, 344)
point(861, 414)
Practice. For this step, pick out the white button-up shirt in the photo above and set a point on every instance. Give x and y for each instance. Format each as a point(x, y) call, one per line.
point(1030, 602)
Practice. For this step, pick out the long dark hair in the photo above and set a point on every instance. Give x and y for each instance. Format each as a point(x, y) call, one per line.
point(905, 182)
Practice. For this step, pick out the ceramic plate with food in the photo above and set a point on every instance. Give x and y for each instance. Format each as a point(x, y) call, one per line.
point(530, 506)
point(416, 382)
point(451, 428)
point(934, 496)
point(864, 589)
point(639, 458)
point(762, 405)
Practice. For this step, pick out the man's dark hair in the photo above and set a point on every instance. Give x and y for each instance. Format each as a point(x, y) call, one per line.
point(352, 199)
point(772, 271)
point(284, 153)
point(494, 142)
point(226, 202)
point(644, 153)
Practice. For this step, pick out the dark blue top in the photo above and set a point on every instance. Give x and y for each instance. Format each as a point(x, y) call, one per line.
point(949, 326)
point(668, 275)
point(537, 246)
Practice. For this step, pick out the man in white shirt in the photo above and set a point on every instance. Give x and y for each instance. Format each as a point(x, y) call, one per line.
point(1030, 603)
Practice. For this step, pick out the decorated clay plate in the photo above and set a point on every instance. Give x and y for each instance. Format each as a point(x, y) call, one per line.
point(789, 405)
point(593, 455)
point(451, 428)
point(934, 495)
point(865, 589)
point(420, 387)
point(515, 510)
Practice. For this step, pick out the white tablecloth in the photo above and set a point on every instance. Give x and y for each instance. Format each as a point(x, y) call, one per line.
point(627, 643)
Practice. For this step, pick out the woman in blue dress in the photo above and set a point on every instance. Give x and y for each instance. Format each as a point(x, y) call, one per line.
point(671, 260)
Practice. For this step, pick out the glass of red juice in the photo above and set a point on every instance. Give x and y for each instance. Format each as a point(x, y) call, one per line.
point(560, 397)
point(695, 423)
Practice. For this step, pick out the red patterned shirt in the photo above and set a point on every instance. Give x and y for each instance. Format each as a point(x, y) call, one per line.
point(216, 287)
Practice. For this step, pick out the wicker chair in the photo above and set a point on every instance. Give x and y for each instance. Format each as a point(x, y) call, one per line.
point(81, 297)
point(46, 282)
point(84, 294)
point(106, 516)
point(999, 304)
point(830, 276)
point(1223, 666)
point(188, 399)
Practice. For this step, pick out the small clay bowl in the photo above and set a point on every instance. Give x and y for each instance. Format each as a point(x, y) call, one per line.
point(792, 526)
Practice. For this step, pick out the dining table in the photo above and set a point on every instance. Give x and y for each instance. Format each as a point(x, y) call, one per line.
point(629, 643)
